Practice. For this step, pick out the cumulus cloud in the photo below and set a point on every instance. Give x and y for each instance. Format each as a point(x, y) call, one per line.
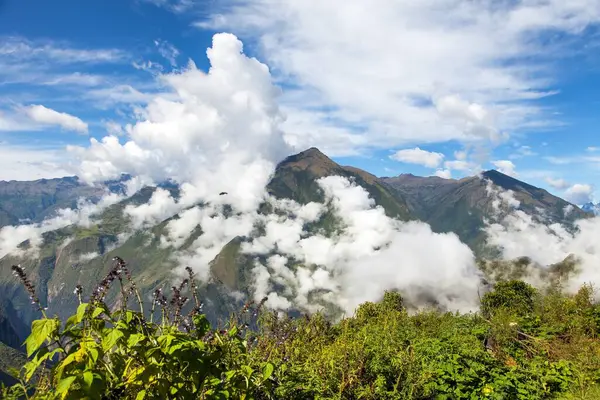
point(417, 156)
point(519, 234)
point(215, 132)
point(444, 173)
point(459, 165)
point(579, 193)
point(492, 65)
point(507, 167)
point(369, 254)
point(559, 184)
point(474, 120)
point(48, 116)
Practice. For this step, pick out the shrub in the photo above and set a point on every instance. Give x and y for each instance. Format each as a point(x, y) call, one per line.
point(516, 296)
point(383, 352)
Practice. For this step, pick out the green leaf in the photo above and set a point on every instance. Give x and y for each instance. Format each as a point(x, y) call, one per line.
point(201, 323)
point(267, 371)
point(97, 311)
point(165, 341)
point(88, 378)
point(233, 331)
point(135, 339)
point(81, 311)
point(41, 330)
point(111, 339)
point(141, 395)
point(64, 385)
point(247, 370)
point(40, 357)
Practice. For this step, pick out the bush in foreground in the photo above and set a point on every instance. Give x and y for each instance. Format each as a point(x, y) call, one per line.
point(524, 345)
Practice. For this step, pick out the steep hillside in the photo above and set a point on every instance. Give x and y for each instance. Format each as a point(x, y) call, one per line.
point(460, 206)
point(33, 201)
point(295, 178)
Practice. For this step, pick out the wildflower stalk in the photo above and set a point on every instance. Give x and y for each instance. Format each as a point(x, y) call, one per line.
point(20, 273)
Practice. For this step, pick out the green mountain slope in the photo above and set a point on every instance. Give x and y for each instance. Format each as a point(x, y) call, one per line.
point(34, 201)
point(295, 178)
point(460, 206)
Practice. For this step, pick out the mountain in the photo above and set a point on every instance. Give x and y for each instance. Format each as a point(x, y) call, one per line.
point(591, 208)
point(460, 206)
point(295, 178)
point(34, 201)
point(82, 255)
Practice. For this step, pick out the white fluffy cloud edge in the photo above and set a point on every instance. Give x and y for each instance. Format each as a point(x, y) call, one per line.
point(222, 133)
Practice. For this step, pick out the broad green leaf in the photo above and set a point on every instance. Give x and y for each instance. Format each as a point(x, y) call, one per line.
point(111, 339)
point(141, 395)
point(81, 311)
point(201, 323)
point(41, 330)
point(64, 385)
point(93, 352)
point(88, 378)
point(165, 340)
point(135, 339)
point(39, 358)
point(97, 311)
point(267, 371)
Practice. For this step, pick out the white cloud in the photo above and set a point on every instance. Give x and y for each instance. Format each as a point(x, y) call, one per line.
point(15, 122)
point(405, 73)
point(459, 165)
point(506, 167)
point(176, 6)
point(83, 215)
point(559, 184)
point(48, 116)
point(461, 155)
point(417, 156)
point(523, 151)
point(473, 119)
point(30, 163)
point(19, 49)
point(75, 78)
point(359, 262)
point(113, 128)
point(592, 149)
point(216, 131)
point(167, 51)
point(579, 193)
point(444, 173)
point(521, 235)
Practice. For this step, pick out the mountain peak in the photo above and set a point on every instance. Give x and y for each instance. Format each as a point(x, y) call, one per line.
point(312, 152)
point(591, 208)
point(311, 159)
point(507, 182)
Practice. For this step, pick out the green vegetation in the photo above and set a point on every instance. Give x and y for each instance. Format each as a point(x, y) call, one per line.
point(525, 344)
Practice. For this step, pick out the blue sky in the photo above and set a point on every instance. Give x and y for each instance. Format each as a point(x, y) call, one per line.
point(446, 87)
